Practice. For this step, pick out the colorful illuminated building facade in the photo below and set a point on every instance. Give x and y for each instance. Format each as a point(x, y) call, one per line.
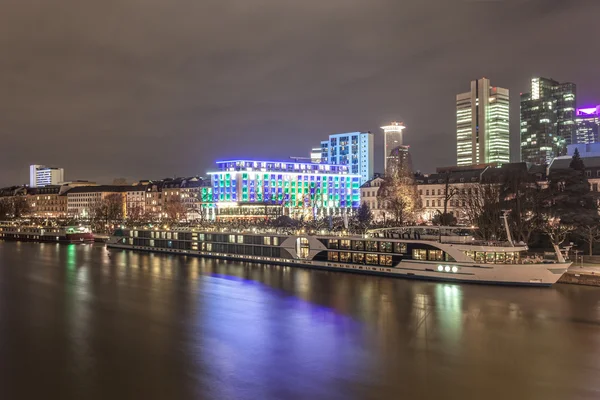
point(246, 188)
point(588, 124)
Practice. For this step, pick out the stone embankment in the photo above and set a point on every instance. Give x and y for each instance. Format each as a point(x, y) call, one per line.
point(582, 274)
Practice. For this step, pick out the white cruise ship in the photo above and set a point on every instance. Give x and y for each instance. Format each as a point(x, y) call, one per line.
point(444, 254)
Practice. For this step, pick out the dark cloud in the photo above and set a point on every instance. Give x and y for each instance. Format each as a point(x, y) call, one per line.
point(149, 88)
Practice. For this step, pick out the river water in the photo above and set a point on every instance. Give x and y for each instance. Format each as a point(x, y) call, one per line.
point(85, 322)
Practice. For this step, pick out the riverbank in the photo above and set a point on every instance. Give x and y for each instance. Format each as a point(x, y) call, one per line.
point(582, 274)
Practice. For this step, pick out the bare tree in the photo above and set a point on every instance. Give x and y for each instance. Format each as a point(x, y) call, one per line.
point(175, 210)
point(557, 231)
point(20, 206)
point(589, 234)
point(483, 210)
point(135, 214)
point(449, 193)
point(5, 208)
point(113, 204)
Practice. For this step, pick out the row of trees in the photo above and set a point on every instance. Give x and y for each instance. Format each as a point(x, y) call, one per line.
point(109, 211)
point(13, 207)
point(563, 208)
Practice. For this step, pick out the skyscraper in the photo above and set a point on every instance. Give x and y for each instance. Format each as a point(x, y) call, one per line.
point(40, 175)
point(354, 149)
point(395, 152)
point(588, 125)
point(547, 120)
point(482, 125)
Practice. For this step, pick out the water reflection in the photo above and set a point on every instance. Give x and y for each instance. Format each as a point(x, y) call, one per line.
point(120, 324)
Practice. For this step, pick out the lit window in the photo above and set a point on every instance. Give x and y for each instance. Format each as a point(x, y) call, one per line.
point(436, 255)
point(419, 254)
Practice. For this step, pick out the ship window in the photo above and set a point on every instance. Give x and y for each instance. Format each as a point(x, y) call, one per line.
point(333, 256)
point(470, 254)
point(358, 245)
point(175, 235)
point(419, 254)
point(385, 260)
point(510, 258)
point(500, 257)
point(267, 240)
point(436, 255)
point(231, 238)
point(345, 257)
point(208, 246)
point(490, 257)
point(333, 243)
point(480, 256)
point(385, 247)
point(152, 242)
point(371, 246)
point(358, 258)
point(201, 237)
point(372, 259)
point(400, 248)
point(240, 239)
point(275, 241)
point(344, 244)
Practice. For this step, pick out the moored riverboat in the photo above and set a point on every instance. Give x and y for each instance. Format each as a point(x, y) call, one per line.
point(35, 233)
point(444, 254)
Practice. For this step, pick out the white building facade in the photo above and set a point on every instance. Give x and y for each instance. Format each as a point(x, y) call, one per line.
point(368, 195)
point(40, 176)
point(354, 149)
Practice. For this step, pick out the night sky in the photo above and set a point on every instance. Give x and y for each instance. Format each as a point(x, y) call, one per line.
point(147, 89)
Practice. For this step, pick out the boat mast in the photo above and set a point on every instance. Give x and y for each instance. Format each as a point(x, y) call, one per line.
point(508, 235)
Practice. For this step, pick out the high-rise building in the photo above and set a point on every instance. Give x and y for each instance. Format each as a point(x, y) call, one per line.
point(354, 149)
point(482, 125)
point(394, 150)
point(547, 120)
point(40, 175)
point(588, 124)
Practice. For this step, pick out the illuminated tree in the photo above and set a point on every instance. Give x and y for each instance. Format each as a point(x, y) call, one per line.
point(399, 196)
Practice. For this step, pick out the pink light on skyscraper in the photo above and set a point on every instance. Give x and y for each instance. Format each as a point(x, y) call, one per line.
point(589, 111)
